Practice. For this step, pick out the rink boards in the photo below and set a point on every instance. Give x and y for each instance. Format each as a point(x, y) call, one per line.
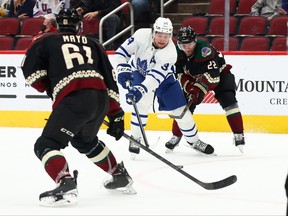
point(262, 86)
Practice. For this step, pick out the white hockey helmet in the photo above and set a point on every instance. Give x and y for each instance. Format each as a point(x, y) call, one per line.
point(163, 25)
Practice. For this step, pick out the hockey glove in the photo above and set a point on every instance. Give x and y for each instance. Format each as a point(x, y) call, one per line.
point(196, 92)
point(125, 76)
point(116, 125)
point(135, 93)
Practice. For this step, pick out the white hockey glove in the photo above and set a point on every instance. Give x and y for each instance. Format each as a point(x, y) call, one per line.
point(135, 93)
point(125, 76)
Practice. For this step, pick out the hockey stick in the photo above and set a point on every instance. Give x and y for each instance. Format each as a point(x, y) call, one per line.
point(183, 112)
point(140, 123)
point(208, 186)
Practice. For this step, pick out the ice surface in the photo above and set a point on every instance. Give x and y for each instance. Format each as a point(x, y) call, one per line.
point(161, 190)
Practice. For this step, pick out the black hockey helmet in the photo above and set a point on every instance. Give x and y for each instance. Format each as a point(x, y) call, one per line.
point(186, 35)
point(68, 20)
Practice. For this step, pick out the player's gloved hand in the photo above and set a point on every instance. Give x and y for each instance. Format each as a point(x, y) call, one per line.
point(196, 92)
point(135, 93)
point(125, 76)
point(116, 125)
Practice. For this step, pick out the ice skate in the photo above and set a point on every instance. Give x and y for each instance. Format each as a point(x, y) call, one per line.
point(172, 143)
point(239, 141)
point(134, 149)
point(63, 195)
point(202, 147)
point(120, 182)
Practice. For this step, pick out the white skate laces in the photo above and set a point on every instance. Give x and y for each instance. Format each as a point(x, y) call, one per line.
point(120, 182)
point(172, 143)
point(64, 194)
point(202, 147)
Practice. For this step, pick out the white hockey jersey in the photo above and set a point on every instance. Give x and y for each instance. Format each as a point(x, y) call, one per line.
point(4, 7)
point(44, 7)
point(154, 64)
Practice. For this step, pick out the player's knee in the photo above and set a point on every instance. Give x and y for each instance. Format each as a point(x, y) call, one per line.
point(87, 148)
point(179, 111)
point(226, 99)
point(44, 145)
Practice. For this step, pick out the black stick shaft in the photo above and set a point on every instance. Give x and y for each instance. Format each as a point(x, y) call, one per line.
point(140, 124)
point(208, 186)
point(183, 112)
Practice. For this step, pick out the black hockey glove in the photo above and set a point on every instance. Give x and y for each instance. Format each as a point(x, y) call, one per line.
point(116, 125)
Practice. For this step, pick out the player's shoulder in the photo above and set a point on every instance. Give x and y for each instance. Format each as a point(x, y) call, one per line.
point(168, 53)
point(40, 38)
point(203, 50)
point(143, 33)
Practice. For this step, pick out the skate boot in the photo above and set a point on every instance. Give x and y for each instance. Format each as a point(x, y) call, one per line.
point(64, 194)
point(120, 181)
point(202, 147)
point(172, 143)
point(134, 149)
point(239, 141)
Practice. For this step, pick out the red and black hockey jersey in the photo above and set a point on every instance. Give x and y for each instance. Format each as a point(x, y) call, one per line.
point(204, 66)
point(60, 63)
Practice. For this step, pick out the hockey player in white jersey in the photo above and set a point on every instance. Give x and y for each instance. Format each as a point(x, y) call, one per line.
point(145, 67)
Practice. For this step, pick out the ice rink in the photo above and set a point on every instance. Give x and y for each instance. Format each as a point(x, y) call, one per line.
point(161, 190)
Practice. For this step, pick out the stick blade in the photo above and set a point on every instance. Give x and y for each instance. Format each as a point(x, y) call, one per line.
point(220, 184)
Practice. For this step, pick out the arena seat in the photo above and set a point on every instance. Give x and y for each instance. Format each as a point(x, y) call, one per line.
point(22, 43)
point(199, 24)
point(244, 7)
point(252, 26)
point(217, 7)
point(6, 43)
point(216, 27)
point(9, 26)
point(218, 43)
point(254, 44)
point(90, 27)
point(31, 26)
point(279, 44)
point(278, 26)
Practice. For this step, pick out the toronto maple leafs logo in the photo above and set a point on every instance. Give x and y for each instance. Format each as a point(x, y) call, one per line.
point(142, 66)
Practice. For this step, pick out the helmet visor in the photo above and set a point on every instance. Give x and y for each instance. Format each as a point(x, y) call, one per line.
point(186, 46)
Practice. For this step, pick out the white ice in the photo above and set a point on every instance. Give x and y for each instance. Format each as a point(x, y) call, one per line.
point(161, 190)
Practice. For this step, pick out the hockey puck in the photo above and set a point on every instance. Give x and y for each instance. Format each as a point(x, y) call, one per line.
point(180, 166)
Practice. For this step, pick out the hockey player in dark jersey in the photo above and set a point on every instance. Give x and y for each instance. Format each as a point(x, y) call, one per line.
point(201, 68)
point(76, 73)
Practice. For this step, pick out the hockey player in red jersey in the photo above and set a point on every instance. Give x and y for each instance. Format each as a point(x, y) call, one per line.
point(201, 68)
point(76, 74)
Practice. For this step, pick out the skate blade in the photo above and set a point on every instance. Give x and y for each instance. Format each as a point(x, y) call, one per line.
point(133, 156)
point(241, 148)
point(67, 200)
point(168, 151)
point(202, 153)
point(213, 154)
point(128, 190)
